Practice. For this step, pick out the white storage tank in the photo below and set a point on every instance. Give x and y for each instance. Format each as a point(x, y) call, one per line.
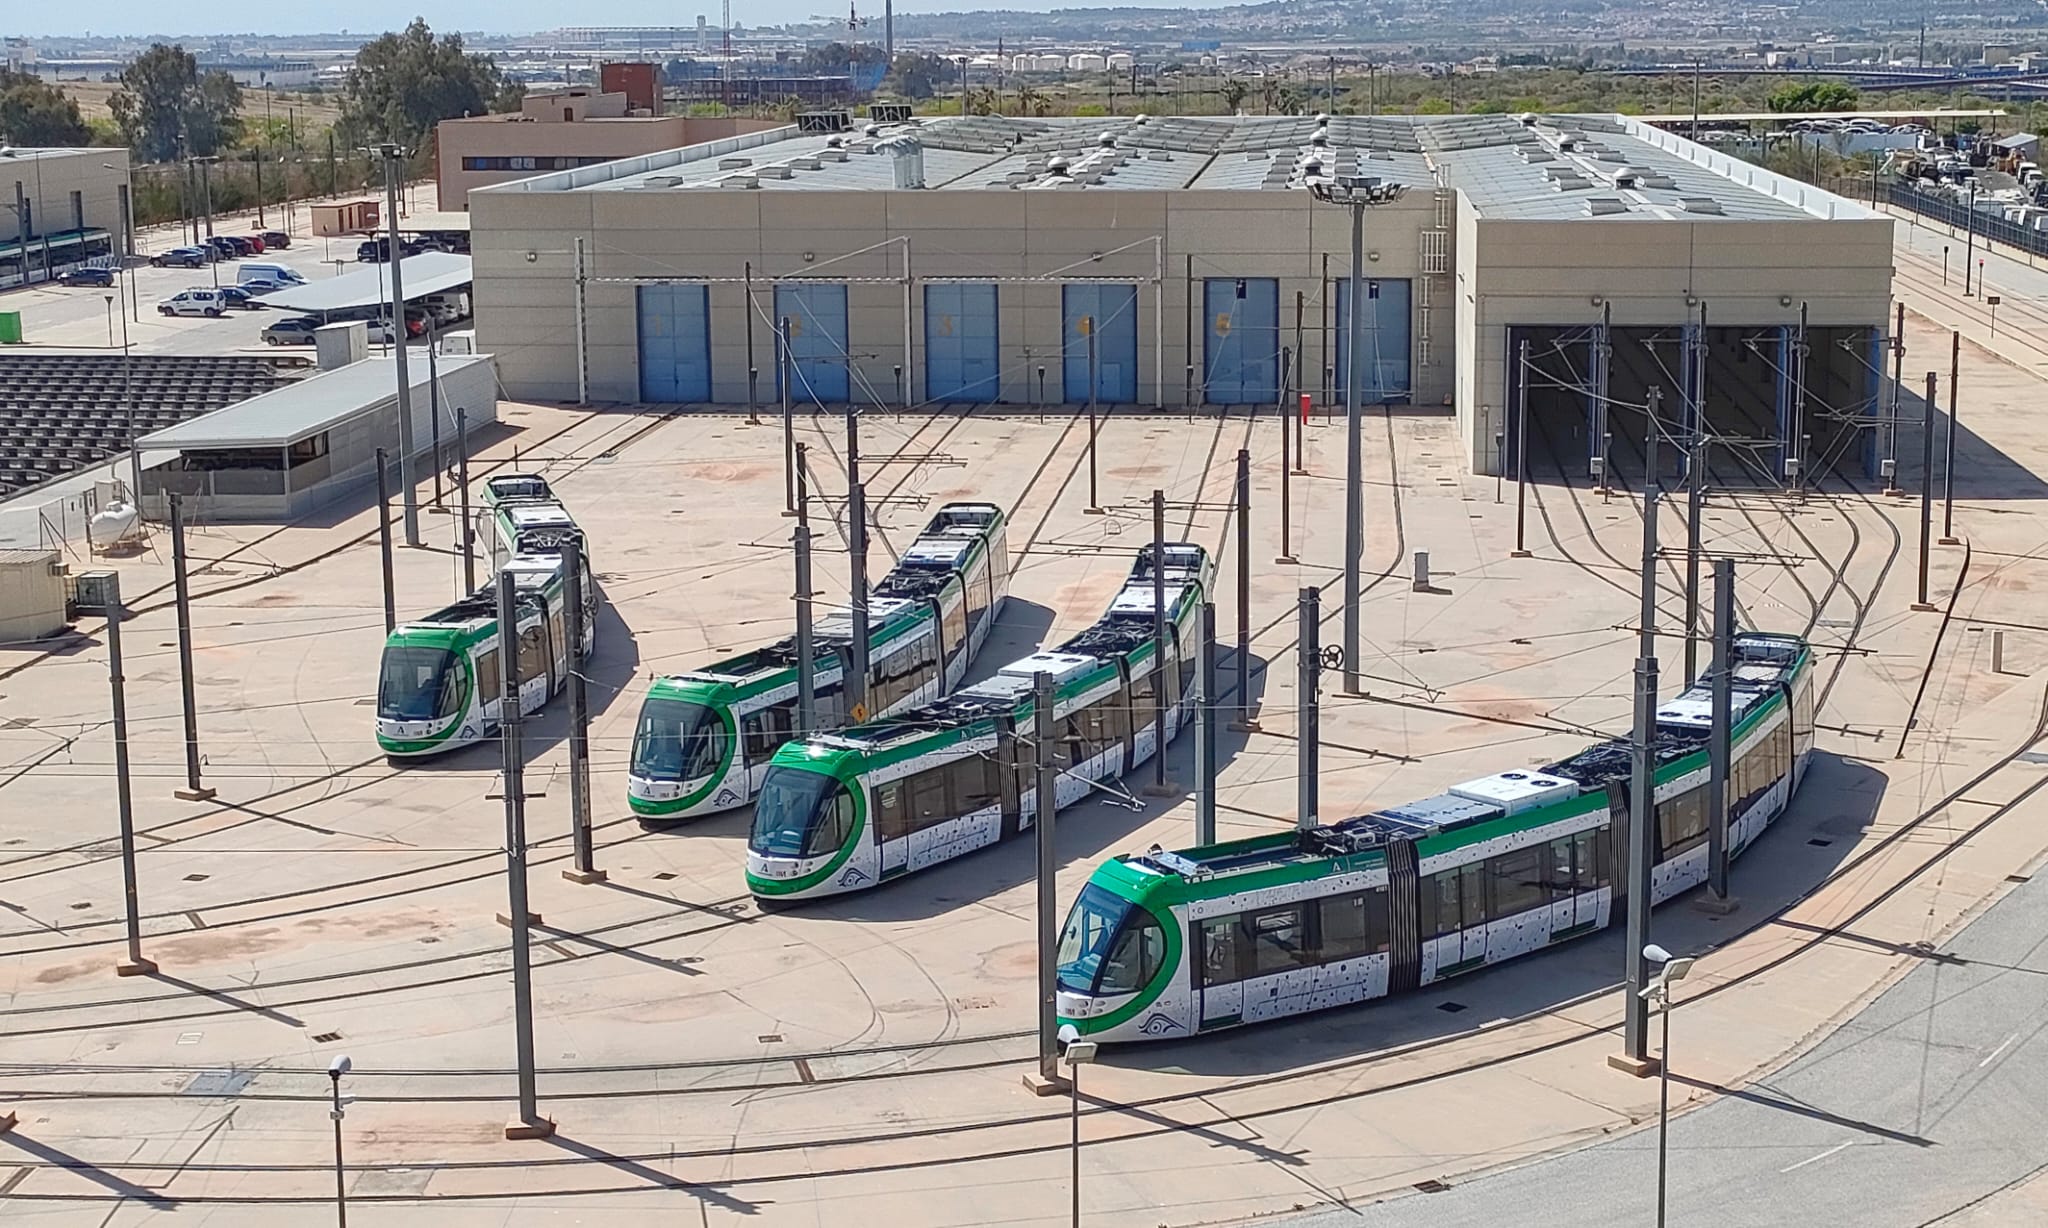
point(1121, 61)
point(1086, 61)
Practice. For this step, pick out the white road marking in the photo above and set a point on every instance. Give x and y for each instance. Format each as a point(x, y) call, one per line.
point(1815, 1159)
point(1993, 1056)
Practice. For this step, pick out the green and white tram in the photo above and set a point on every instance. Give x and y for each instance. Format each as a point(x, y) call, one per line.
point(705, 737)
point(439, 685)
point(1168, 944)
point(517, 488)
point(846, 811)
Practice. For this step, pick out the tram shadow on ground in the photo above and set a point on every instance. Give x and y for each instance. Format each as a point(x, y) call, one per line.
point(1835, 805)
point(608, 677)
point(1099, 826)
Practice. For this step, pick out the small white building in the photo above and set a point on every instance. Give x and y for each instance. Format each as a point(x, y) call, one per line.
point(33, 588)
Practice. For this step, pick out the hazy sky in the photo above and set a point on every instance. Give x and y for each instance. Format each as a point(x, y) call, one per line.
point(140, 17)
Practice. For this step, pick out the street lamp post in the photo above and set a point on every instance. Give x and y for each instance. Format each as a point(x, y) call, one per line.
point(1076, 1053)
point(1658, 994)
point(1358, 193)
point(128, 234)
point(340, 1066)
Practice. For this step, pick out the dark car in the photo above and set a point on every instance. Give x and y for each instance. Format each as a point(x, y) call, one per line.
point(184, 258)
point(376, 251)
point(242, 298)
point(292, 330)
point(275, 238)
point(88, 277)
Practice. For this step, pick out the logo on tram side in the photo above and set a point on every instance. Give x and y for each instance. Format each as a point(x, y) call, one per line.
point(853, 877)
point(1160, 1025)
point(726, 797)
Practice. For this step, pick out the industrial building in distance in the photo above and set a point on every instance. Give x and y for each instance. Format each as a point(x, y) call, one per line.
point(1168, 262)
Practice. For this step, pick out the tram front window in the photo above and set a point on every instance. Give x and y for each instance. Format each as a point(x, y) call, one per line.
point(1110, 945)
point(418, 684)
point(677, 740)
point(800, 814)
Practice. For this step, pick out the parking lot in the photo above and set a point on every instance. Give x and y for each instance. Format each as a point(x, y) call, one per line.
point(72, 318)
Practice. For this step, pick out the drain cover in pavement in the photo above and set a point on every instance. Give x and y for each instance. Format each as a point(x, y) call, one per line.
point(220, 1083)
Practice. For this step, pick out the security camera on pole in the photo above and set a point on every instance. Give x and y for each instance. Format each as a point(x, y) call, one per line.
point(1358, 193)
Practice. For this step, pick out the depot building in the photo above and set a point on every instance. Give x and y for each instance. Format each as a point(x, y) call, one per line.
point(1567, 263)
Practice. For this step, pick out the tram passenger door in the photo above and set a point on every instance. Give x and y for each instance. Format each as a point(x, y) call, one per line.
point(558, 649)
point(1217, 984)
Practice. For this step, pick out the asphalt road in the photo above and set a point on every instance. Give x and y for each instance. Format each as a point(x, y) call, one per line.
point(1931, 1098)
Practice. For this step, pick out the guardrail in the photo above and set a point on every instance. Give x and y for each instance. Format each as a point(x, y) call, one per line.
point(1987, 225)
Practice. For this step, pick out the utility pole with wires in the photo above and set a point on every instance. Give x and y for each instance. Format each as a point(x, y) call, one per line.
point(1635, 1055)
point(1245, 722)
point(1948, 458)
point(384, 540)
point(528, 1122)
point(394, 158)
point(1046, 1080)
point(1795, 458)
point(195, 790)
point(468, 531)
point(1165, 660)
point(782, 372)
point(1522, 373)
point(1205, 731)
point(1718, 748)
point(855, 686)
point(1890, 464)
point(1307, 719)
point(585, 870)
point(1926, 488)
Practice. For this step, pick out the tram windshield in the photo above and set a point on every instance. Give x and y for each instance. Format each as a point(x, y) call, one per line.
point(1110, 946)
point(677, 740)
point(800, 814)
point(418, 684)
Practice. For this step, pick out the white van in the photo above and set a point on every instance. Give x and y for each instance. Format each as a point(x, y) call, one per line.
point(251, 271)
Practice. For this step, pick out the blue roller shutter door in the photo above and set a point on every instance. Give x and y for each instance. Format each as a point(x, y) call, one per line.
point(1111, 311)
point(816, 312)
point(1242, 340)
point(960, 348)
point(675, 343)
point(1386, 373)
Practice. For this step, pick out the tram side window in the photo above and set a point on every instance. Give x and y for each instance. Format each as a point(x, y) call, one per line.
point(1682, 822)
point(974, 783)
point(1090, 731)
point(955, 630)
point(1354, 925)
point(1518, 881)
point(489, 685)
point(1142, 707)
point(974, 595)
point(532, 655)
point(763, 731)
point(902, 673)
point(1219, 950)
point(1279, 940)
point(1458, 897)
point(892, 810)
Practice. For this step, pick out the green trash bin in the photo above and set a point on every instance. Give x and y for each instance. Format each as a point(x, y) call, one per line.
point(10, 328)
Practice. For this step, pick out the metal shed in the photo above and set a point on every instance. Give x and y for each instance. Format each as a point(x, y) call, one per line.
point(286, 452)
point(33, 588)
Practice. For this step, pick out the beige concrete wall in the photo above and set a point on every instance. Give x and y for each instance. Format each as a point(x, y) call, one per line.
point(32, 590)
point(523, 305)
point(1750, 273)
point(595, 133)
point(46, 184)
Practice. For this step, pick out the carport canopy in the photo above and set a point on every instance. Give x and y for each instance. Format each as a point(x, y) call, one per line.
point(426, 274)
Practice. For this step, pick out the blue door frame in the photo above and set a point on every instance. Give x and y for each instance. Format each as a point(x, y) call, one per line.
point(1110, 310)
point(1387, 373)
point(961, 346)
point(675, 343)
point(818, 355)
point(1241, 349)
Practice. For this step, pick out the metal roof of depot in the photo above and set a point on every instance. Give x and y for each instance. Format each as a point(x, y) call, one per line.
point(297, 411)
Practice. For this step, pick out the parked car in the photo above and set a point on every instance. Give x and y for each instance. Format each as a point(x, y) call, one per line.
point(184, 258)
point(195, 302)
point(376, 251)
point(255, 242)
point(241, 297)
point(250, 270)
point(223, 246)
point(264, 285)
point(292, 330)
point(88, 277)
point(275, 238)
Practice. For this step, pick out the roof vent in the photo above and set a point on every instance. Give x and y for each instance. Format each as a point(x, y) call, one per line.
point(1312, 167)
point(733, 164)
point(1624, 179)
point(1159, 155)
point(871, 130)
point(1570, 183)
point(1527, 119)
point(908, 155)
point(1567, 144)
point(740, 181)
point(1107, 140)
point(1656, 181)
point(1319, 137)
point(1605, 206)
point(1141, 118)
point(834, 142)
point(1700, 204)
point(1322, 119)
point(773, 172)
point(832, 155)
point(1057, 166)
point(1533, 154)
point(803, 164)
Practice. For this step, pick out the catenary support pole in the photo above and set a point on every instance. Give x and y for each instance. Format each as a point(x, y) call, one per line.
point(135, 964)
point(408, 490)
point(1094, 383)
point(434, 410)
point(1307, 721)
point(573, 606)
point(1948, 444)
point(855, 686)
point(782, 376)
point(1926, 487)
point(1354, 449)
point(1719, 738)
point(1796, 454)
point(803, 484)
point(1522, 373)
point(1891, 421)
point(1045, 742)
point(1205, 731)
point(384, 540)
point(1695, 497)
point(194, 790)
point(1244, 590)
point(582, 315)
point(528, 1123)
point(1286, 486)
point(1635, 1054)
point(1165, 659)
point(468, 531)
point(806, 652)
